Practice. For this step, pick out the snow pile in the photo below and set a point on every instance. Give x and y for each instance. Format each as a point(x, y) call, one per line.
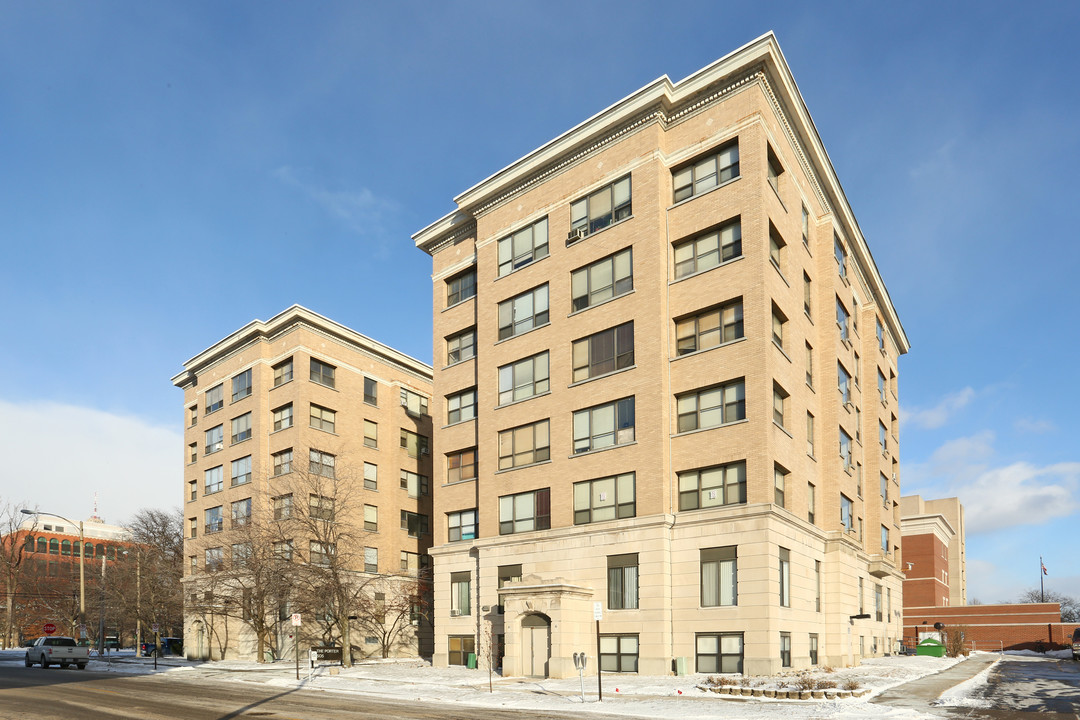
point(969, 693)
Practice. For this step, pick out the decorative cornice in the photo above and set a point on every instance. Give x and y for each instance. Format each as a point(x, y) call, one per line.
point(455, 235)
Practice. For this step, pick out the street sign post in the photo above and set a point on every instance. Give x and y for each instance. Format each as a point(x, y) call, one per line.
point(296, 641)
point(49, 628)
point(598, 615)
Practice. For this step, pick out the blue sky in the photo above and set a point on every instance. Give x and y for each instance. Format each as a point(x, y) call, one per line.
point(171, 171)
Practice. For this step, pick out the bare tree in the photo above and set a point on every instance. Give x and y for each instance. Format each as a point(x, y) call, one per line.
point(393, 609)
point(13, 565)
point(153, 569)
point(1070, 606)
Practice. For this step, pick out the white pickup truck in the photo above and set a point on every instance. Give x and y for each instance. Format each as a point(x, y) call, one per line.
point(62, 651)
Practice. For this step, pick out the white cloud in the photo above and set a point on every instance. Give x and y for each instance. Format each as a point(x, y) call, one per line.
point(361, 210)
point(59, 456)
point(935, 417)
point(1035, 427)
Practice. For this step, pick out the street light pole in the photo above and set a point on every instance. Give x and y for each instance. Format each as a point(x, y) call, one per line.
point(82, 564)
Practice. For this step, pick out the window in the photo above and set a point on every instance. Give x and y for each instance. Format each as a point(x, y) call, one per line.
point(282, 462)
point(862, 598)
point(461, 465)
point(603, 280)
point(884, 489)
point(371, 391)
point(371, 434)
point(461, 525)
point(193, 490)
point(215, 398)
point(415, 523)
point(215, 439)
point(619, 653)
point(785, 649)
point(524, 379)
point(883, 435)
point(845, 448)
point(843, 383)
point(713, 407)
point(841, 256)
point(709, 329)
point(414, 403)
point(412, 562)
point(414, 484)
point(459, 648)
point(461, 347)
point(525, 512)
point(809, 366)
point(810, 434)
point(779, 484)
point(707, 173)
point(719, 652)
point(508, 574)
point(880, 330)
point(524, 312)
point(215, 560)
point(371, 476)
point(711, 487)
point(808, 293)
point(811, 502)
point(213, 520)
point(779, 319)
point(778, 412)
point(719, 576)
point(371, 518)
point(524, 445)
point(842, 317)
point(708, 250)
point(777, 249)
point(322, 373)
point(241, 512)
point(194, 414)
point(608, 205)
point(605, 498)
point(847, 512)
point(323, 418)
point(321, 507)
point(884, 542)
point(213, 478)
point(603, 352)
point(371, 560)
point(774, 170)
point(321, 463)
point(320, 553)
point(622, 578)
point(817, 585)
point(805, 227)
point(241, 471)
point(604, 426)
point(283, 550)
point(283, 372)
point(283, 417)
point(283, 507)
point(241, 385)
point(241, 428)
point(460, 288)
point(881, 388)
point(414, 445)
point(523, 247)
point(193, 452)
point(785, 577)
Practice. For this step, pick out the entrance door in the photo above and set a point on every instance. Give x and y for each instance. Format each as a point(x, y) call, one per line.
point(535, 645)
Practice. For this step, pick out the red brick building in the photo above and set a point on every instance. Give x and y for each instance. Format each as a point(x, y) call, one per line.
point(1019, 626)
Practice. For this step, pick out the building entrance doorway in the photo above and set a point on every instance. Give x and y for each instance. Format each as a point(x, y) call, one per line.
point(535, 645)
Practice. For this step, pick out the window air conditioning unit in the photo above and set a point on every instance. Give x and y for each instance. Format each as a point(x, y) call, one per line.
point(576, 234)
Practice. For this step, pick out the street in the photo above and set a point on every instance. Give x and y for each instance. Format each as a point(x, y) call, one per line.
point(1020, 687)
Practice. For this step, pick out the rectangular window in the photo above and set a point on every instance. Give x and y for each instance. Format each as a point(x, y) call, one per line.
point(322, 418)
point(241, 428)
point(282, 462)
point(193, 524)
point(241, 512)
point(881, 388)
point(777, 248)
point(843, 383)
point(371, 476)
point(525, 512)
point(604, 426)
point(414, 484)
point(712, 407)
point(817, 585)
point(215, 559)
point(461, 465)
point(460, 593)
point(322, 373)
point(780, 395)
point(283, 372)
point(842, 318)
point(461, 288)
point(193, 490)
point(321, 507)
point(779, 319)
point(461, 406)
point(508, 574)
point(605, 498)
point(371, 518)
point(785, 649)
point(622, 576)
point(807, 293)
point(847, 512)
point(193, 452)
point(213, 478)
point(414, 445)
point(773, 170)
point(213, 520)
point(883, 438)
point(461, 525)
point(884, 479)
point(708, 250)
point(371, 434)
point(712, 487)
point(321, 463)
point(283, 550)
point(706, 173)
point(459, 648)
point(606, 206)
point(283, 507)
point(371, 560)
point(779, 484)
point(241, 385)
point(461, 347)
point(283, 417)
point(371, 391)
point(524, 312)
point(524, 379)
point(603, 280)
point(709, 329)
point(215, 439)
point(884, 542)
point(719, 652)
point(841, 256)
point(810, 434)
point(811, 502)
point(809, 365)
point(241, 471)
point(806, 227)
point(604, 352)
point(215, 398)
point(414, 403)
point(785, 577)
point(719, 576)
point(415, 523)
point(410, 562)
point(524, 445)
point(320, 553)
point(523, 247)
point(619, 653)
point(194, 414)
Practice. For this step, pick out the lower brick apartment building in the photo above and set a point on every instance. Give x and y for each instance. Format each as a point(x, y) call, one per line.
point(666, 383)
point(309, 436)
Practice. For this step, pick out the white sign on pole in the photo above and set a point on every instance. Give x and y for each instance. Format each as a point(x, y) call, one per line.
point(296, 619)
point(598, 611)
point(155, 627)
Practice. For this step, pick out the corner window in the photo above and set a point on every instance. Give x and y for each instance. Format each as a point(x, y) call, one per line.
point(413, 444)
point(414, 484)
point(414, 403)
point(525, 512)
point(706, 173)
point(604, 426)
point(241, 385)
point(523, 247)
point(606, 498)
point(608, 205)
point(414, 523)
point(602, 280)
point(604, 352)
point(524, 379)
point(322, 373)
point(283, 417)
point(712, 487)
point(524, 445)
point(710, 328)
point(719, 577)
point(283, 372)
point(711, 407)
point(460, 288)
point(708, 250)
point(524, 312)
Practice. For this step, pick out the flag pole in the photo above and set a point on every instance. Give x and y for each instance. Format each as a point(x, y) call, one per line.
point(1042, 573)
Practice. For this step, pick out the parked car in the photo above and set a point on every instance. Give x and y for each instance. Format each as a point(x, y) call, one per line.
point(169, 646)
point(54, 650)
point(1076, 644)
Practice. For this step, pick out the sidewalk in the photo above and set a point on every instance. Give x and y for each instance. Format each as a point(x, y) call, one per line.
point(919, 694)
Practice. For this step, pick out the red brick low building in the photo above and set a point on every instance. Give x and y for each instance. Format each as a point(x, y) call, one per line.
point(1017, 626)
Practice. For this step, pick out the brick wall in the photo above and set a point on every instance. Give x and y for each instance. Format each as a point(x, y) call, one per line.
point(1018, 626)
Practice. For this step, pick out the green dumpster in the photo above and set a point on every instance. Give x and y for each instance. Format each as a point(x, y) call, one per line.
point(471, 661)
point(930, 647)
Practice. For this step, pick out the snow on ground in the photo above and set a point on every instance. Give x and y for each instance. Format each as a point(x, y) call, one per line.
point(970, 693)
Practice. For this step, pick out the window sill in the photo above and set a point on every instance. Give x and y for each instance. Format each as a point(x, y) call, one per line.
point(532, 329)
point(328, 387)
point(279, 430)
point(459, 362)
point(238, 399)
point(783, 429)
point(584, 453)
point(234, 443)
point(532, 262)
point(455, 424)
point(212, 452)
point(594, 233)
point(713, 427)
point(591, 379)
point(710, 190)
point(522, 467)
point(715, 347)
point(779, 272)
point(328, 432)
point(702, 272)
point(459, 482)
point(281, 384)
point(602, 302)
point(522, 400)
point(807, 314)
point(781, 349)
point(459, 303)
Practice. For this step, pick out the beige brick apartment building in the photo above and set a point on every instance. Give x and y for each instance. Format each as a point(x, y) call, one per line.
point(272, 410)
point(665, 382)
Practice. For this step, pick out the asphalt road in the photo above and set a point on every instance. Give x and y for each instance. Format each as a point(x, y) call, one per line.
point(1022, 687)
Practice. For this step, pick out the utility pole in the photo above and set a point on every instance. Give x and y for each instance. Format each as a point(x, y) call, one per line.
point(101, 622)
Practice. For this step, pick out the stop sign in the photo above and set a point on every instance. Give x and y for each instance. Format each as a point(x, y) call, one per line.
point(49, 628)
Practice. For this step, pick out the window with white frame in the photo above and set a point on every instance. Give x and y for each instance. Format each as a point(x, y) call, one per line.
point(460, 288)
point(524, 445)
point(525, 512)
point(708, 250)
point(603, 207)
point(606, 498)
point(461, 406)
point(709, 329)
point(523, 247)
point(461, 347)
point(622, 576)
point(371, 476)
point(711, 407)
point(713, 486)
point(460, 593)
point(719, 576)
point(523, 312)
point(241, 471)
point(524, 379)
point(603, 352)
point(602, 280)
point(241, 385)
point(706, 173)
point(604, 426)
point(461, 525)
